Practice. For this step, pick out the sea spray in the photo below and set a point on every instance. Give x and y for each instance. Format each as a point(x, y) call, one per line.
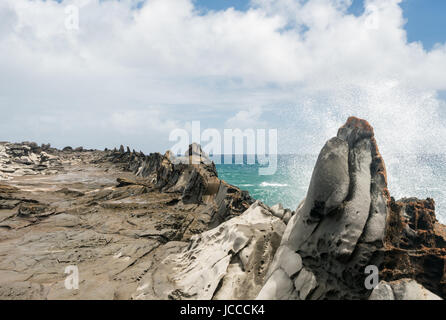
point(409, 175)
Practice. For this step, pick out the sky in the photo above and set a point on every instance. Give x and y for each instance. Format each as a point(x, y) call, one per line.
point(136, 70)
point(425, 18)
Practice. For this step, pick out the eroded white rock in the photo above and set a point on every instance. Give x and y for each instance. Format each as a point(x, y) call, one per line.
point(277, 287)
point(305, 283)
point(404, 289)
point(227, 262)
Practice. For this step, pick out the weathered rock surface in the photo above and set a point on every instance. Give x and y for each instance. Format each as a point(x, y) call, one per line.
point(193, 177)
point(163, 227)
point(117, 216)
point(27, 158)
point(348, 222)
point(415, 245)
point(404, 289)
point(282, 213)
point(227, 262)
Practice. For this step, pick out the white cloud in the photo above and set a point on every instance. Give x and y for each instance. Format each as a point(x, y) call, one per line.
point(249, 118)
point(137, 121)
point(309, 59)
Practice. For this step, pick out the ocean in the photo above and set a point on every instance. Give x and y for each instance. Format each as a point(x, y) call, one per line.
point(420, 176)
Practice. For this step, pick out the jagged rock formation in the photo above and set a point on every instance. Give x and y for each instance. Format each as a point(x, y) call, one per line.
point(164, 227)
point(27, 158)
point(227, 262)
point(404, 289)
point(284, 214)
point(193, 176)
point(348, 222)
point(415, 245)
point(116, 216)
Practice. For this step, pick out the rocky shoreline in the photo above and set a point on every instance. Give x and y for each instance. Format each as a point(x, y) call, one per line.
point(160, 227)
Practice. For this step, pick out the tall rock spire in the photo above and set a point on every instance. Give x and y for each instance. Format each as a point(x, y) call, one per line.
point(340, 226)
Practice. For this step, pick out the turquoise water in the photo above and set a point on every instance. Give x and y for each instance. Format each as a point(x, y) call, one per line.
point(287, 186)
point(408, 176)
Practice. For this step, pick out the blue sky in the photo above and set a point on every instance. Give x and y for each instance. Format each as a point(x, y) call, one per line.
point(426, 19)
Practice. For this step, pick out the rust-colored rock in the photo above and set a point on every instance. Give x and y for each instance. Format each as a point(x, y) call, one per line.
point(415, 245)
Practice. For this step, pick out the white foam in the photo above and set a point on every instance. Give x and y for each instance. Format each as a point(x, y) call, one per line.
point(271, 184)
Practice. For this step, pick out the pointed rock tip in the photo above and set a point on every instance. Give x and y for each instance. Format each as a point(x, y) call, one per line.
point(169, 155)
point(355, 129)
point(195, 149)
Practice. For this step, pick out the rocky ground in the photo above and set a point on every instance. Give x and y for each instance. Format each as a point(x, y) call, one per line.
point(158, 227)
point(126, 221)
